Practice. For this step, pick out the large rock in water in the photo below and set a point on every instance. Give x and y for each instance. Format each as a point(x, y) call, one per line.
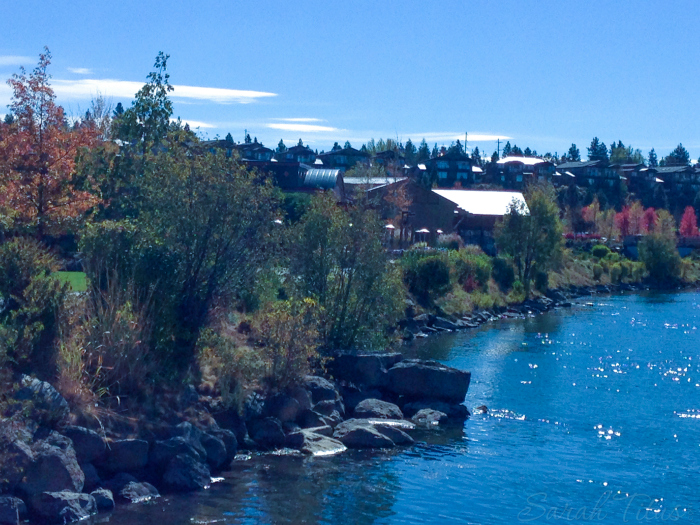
point(229, 440)
point(454, 411)
point(315, 444)
point(375, 408)
point(368, 370)
point(418, 379)
point(126, 455)
point(186, 474)
point(54, 468)
point(216, 451)
point(320, 389)
point(267, 433)
point(360, 433)
point(63, 507)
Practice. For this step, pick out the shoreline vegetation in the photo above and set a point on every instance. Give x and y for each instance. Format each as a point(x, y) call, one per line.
point(163, 306)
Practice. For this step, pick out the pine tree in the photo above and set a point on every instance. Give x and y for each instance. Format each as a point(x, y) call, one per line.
point(527, 152)
point(423, 152)
point(281, 148)
point(347, 145)
point(410, 152)
point(653, 160)
point(573, 155)
point(507, 149)
point(434, 154)
point(678, 157)
point(598, 151)
point(247, 138)
point(229, 138)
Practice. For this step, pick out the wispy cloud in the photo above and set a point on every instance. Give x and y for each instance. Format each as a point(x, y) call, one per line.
point(444, 136)
point(303, 128)
point(80, 70)
point(298, 119)
point(194, 123)
point(89, 87)
point(15, 60)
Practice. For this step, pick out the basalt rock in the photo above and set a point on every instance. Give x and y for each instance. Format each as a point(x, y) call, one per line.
point(54, 468)
point(267, 433)
point(368, 370)
point(46, 405)
point(62, 507)
point(429, 418)
point(104, 500)
point(215, 451)
point(418, 379)
point(125, 455)
point(88, 444)
point(186, 474)
point(360, 433)
point(375, 408)
point(12, 510)
point(320, 389)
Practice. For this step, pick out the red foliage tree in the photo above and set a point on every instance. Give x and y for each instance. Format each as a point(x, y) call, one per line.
point(622, 221)
point(38, 155)
point(689, 223)
point(649, 220)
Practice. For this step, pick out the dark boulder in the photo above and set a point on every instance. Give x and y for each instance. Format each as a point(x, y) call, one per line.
point(454, 411)
point(418, 379)
point(163, 452)
point(282, 407)
point(88, 444)
point(215, 451)
point(137, 492)
point(396, 434)
point(359, 433)
point(429, 418)
point(301, 395)
point(62, 507)
point(229, 440)
point(104, 500)
point(46, 405)
point(320, 389)
point(53, 469)
point(253, 406)
point(186, 474)
point(309, 419)
point(364, 369)
point(267, 433)
point(327, 407)
point(315, 444)
point(16, 454)
point(229, 419)
point(92, 478)
point(12, 510)
point(375, 408)
point(444, 324)
point(125, 455)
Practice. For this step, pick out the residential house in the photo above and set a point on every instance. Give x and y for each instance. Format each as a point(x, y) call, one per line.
point(516, 172)
point(253, 151)
point(590, 174)
point(298, 153)
point(452, 168)
point(343, 159)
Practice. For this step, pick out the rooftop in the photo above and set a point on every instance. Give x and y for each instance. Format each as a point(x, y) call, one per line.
point(528, 161)
point(483, 202)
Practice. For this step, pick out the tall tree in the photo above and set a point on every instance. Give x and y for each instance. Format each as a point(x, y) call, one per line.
point(434, 154)
point(597, 151)
point(527, 152)
point(347, 145)
point(653, 159)
point(229, 138)
point(678, 157)
point(574, 155)
point(281, 148)
point(410, 152)
point(38, 156)
point(476, 156)
point(423, 152)
point(689, 223)
point(507, 149)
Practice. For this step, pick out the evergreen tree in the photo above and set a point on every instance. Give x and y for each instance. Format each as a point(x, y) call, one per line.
point(653, 159)
point(573, 155)
point(476, 156)
point(118, 111)
point(347, 145)
point(229, 138)
point(678, 157)
point(300, 144)
point(423, 152)
point(515, 150)
point(336, 147)
point(598, 151)
point(247, 138)
point(527, 152)
point(410, 152)
point(435, 152)
point(281, 148)
point(507, 149)
point(494, 157)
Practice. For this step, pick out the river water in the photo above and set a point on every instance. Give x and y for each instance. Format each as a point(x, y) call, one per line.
point(594, 416)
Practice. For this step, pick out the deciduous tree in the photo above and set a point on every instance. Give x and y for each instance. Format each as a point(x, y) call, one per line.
point(689, 223)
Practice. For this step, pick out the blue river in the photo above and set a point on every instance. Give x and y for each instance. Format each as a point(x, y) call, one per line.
point(593, 417)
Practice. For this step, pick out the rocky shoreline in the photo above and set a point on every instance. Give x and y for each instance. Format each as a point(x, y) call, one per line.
point(54, 472)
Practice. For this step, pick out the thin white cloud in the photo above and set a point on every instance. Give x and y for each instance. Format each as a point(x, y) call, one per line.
point(194, 123)
point(15, 60)
point(89, 87)
point(303, 128)
point(80, 70)
point(451, 136)
point(298, 119)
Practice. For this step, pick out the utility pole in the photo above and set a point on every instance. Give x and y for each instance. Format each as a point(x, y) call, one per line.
point(465, 141)
point(499, 147)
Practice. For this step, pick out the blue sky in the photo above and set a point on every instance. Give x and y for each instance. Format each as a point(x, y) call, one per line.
point(543, 74)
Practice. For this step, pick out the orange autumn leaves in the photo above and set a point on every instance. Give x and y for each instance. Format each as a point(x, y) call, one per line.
point(38, 153)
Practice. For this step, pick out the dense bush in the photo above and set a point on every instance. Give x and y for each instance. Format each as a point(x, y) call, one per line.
point(30, 300)
point(600, 251)
point(541, 281)
point(503, 273)
point(660, 257)
point(471, 270)
point(450, 241)
point(616, 272)
point(597, 272)
point(427, 276)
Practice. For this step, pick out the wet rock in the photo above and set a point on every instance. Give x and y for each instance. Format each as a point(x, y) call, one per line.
point(294, 440)
point(375, 408)
point(163, 452)
point(320, 389)
point(327, 407)
point(282, 407)
point(215, 451)
point(444, 324)
point(309, 418)
point(267, 433)
point(454, 411)
point(301, 395)
point(395, 434)
point(320, 445)
point(359, 433)
point(63, 507)
point(104, 500)
point(53, 469)
point(325, 430)
point(429, 418)
point(420, 379)
point(88, 444)
point(333, 420)
point(118, 482)
point(12, 510)
point(16, 453)
point(229, 440)
point(125, 455)
point(186, 474)
point(229, 419)
point(47, 406)
point(253, 406)
point(137, 492)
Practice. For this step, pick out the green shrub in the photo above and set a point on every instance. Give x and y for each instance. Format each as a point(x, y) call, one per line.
point(427, 276)
point(458, 302)
point(660, 257)
point(600, 251)
point(613, 257)
point(450, 241)
point(626, 268)
point(616, 272)
point(517, 293)
point(470, 270)
point(503, 273)
point(31, 298)
point(597, 272)
point(541, 281)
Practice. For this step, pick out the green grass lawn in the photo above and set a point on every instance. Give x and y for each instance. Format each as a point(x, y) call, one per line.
point(75, 279)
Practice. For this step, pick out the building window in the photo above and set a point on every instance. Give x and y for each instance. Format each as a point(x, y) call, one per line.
point(442, 174)
point(519, 178)
point(461, 165)
point(443, 164)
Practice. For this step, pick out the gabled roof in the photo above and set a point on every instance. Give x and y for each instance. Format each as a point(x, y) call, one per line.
point(574, 165)
point(345, 151)
point(483, 202)
point(673, 169)
point(300, 150)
